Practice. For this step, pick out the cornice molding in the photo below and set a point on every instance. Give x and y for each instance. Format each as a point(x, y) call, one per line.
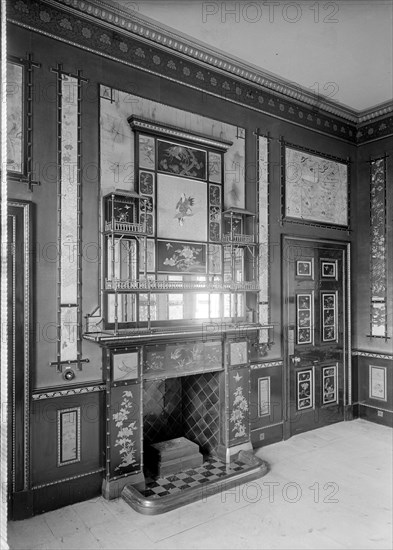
point(139, 42)
point(161, 35)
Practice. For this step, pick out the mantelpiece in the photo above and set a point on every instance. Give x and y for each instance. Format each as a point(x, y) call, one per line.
point(189, 382)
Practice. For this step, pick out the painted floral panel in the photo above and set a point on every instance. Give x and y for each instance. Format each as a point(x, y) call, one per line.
point(377, 382)
point(316, 188)
point(125, 366)
point(124, 427)
point(304, 318)
point(68, 436)
point(69, 245)
point(214, 195)
point(181, 160)
point(378, 245)
point(263, 396)
point(146, 152)
point(215, 167)
point(238, 353)
point(182, 208)
point(239, 427)
point(68, 333)
point(170, 360)
point(181, 257)
point(305, 390)
point(263, 248)
point(329, 384)
point(15, 115)
point(146, 183)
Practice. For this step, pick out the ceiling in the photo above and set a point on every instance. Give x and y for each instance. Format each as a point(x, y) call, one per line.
point(342, 49)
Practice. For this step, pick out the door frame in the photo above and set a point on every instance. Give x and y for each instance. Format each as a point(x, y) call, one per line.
point(21, 344)
point(345, 246)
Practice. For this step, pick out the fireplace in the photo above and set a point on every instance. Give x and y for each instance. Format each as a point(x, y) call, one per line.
point(161, 386)
point(187, 406)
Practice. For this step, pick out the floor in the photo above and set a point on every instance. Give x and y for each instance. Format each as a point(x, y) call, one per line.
point(329, 488)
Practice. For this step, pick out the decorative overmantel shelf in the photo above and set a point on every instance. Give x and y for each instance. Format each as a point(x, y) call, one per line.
point(144, 285)
point(152, 127)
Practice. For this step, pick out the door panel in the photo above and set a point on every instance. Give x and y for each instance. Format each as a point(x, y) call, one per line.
point(316, 343)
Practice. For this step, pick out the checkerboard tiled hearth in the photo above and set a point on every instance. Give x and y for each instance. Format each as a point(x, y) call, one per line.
point(167, 493)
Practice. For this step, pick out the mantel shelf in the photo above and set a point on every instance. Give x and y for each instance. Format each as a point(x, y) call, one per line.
point(208, 330)
point(143, 285)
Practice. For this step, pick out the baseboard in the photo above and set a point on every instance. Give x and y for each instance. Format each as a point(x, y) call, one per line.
point(266, 436)
point(26, 504)
point(373, 414)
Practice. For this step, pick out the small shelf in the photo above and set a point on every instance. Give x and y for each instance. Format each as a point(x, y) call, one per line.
point(228, 238)
point(143, 285)
point(126, 228)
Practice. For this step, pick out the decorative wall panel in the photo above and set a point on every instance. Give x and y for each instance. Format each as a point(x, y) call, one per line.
point(378, 249)
point(125, 429)
point(68, 436)
point(239, 387)
point(181, 160)
point(329, 385)
point(15, 114)
point(263, 211)
point(305, 318)
point(377, 382)
point(305, 389)
point(164, 361)
point(181, 257)
point(329, 317)
point(316, 188)
point(264, 396)
point(182, 212)
point(69, 219)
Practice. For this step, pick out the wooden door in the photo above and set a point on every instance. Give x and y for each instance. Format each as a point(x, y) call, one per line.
point(316, 333)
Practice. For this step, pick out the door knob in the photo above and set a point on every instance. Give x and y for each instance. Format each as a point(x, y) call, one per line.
point(295, 359)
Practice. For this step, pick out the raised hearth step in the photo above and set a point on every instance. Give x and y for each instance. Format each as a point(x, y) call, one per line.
point(175, 448)
point(168, 493)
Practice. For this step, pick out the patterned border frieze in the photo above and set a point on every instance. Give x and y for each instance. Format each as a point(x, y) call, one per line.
point(370, 354)
point(65, 393)
point(71, 478)
point(265, 365)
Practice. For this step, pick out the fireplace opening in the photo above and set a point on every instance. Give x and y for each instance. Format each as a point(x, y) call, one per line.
point(186, 407)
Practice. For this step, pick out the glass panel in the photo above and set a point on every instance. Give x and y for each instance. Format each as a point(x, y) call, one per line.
point(233, 264)
point(122, 258)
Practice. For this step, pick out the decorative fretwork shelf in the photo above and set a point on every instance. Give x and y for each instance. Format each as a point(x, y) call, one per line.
point(228, 238)
point(125, 228)
point(144, 285)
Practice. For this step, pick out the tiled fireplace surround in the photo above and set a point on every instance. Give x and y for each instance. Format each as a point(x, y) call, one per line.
point(186, 406)
point(191, 387)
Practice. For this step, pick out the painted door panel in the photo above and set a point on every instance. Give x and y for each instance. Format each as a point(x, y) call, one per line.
point(316, 343)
